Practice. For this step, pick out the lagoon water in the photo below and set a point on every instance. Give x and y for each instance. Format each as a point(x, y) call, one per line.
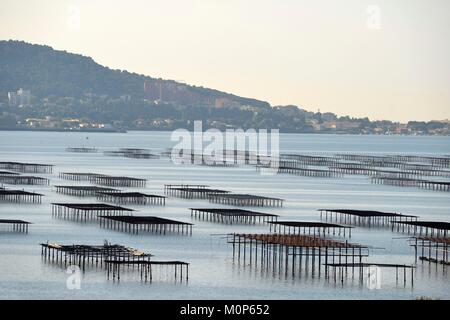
point(213, 274)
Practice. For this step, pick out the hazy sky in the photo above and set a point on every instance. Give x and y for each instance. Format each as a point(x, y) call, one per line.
point(382, 59)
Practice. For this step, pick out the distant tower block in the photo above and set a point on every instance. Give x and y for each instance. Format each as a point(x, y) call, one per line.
point(147, 90)
point(153, 91)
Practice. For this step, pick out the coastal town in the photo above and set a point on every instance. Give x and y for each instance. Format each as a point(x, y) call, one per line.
point(21, 110)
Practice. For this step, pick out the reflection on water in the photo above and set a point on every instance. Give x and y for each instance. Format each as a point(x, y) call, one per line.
point(213, 274)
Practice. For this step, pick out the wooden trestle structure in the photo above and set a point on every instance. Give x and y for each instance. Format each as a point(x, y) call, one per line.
point(232, 215)
point(83, 191)
point(431, 249)
point(15, 225)
point(118, 181)
point(85, 255)
point(310, 228)
point(223, 158)
point(293, 253)
point(310, 160)
point(426, 228)
point(297, 254)
point(361, 169)
point(397, 159)
point(368, 218)
point(26, 167)
point(131, 198)
point(103, 179)
point(138, 224)
point(24, 180)
point(411, 173)
point(298, 170)
point(134, 153)
point(418, 183)
point(237, 199)
point(395, 170)
point(85, 211)
point(78, 176)
point(82, 149)
point(5, 173)
point(19, 196)
point(146, 269)
point(112, 258)
point(191, 191)
point(339, 270)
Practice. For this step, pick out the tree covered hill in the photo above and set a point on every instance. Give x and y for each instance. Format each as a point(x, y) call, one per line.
point(47, 72)
point(64, 87)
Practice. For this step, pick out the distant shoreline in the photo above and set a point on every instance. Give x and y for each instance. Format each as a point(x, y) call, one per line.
point(63, 130)
point(165, 130)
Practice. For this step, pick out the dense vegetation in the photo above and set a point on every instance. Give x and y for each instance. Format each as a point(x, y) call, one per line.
point(66, 85)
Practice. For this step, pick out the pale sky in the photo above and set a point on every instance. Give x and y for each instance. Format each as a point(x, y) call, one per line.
point(385, 59)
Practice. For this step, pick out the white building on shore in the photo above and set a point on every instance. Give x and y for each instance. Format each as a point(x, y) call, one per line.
point(21, 97)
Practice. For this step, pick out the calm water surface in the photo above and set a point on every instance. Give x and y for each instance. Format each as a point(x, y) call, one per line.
point(213, 275)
